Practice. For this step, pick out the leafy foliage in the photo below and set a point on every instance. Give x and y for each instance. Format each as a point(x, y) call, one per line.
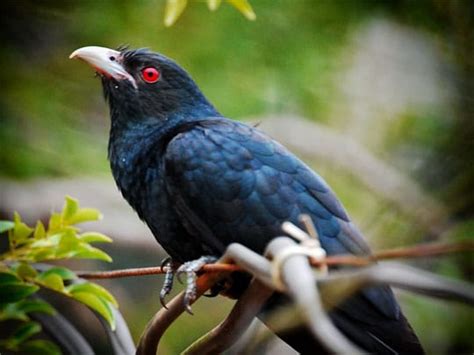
point(174, 9)
point(19, 279)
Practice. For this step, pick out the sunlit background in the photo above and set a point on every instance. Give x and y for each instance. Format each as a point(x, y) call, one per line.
point(376, 95)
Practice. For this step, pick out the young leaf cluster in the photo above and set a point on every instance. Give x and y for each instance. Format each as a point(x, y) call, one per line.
point(174, 9)
point(20, 280)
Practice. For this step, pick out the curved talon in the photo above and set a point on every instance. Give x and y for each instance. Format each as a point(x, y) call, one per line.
point(188, 309)
point(163, 295)
point(190, 292)
point(168, 282)
point(178, 276)
point(191, 268)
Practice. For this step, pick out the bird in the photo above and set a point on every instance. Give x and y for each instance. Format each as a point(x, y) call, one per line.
point(201, 181)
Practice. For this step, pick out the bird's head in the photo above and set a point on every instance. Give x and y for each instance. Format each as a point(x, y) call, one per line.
point(143, 85)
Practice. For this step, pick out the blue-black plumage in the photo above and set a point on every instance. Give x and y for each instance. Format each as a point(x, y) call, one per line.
point(201, 181)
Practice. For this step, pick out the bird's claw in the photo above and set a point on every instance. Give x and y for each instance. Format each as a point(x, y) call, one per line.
point(191, 268)
point(168, 282)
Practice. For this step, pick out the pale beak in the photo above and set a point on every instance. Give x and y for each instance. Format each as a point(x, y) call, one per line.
point(105, 61)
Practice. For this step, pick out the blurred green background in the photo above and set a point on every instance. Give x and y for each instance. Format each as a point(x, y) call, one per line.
point(394, 76)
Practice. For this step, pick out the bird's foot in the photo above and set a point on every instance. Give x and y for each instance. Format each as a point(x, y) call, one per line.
point(171, 267)
point(191, 268)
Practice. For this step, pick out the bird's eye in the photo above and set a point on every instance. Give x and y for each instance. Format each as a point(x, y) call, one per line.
point(150, 75)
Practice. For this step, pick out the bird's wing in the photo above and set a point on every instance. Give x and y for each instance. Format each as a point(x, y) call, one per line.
point(232, 183)
point(227, 175)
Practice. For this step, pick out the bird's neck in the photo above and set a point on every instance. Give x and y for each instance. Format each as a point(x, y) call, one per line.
point(130, 140)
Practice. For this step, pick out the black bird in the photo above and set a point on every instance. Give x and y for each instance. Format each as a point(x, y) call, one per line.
point(201, 181)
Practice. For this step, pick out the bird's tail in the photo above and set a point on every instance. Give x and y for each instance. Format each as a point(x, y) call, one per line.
point(374, 333)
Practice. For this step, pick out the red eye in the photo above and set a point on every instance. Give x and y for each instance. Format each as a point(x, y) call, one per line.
point(150, 75)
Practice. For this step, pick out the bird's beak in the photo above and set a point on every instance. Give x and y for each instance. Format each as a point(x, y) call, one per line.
point(105, 61)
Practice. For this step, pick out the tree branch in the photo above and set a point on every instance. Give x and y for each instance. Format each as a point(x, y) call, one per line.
point(307, 299)
point(224, 335)
point(165, 317)
point(417, 251)
point(334, 288)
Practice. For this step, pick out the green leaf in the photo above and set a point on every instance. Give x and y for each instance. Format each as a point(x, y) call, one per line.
point(35, 305)
point(25, 270)
point(85, 215)
point(174, 9)
point(62, 272)
point(20, 230)
point(8, 277)
point(49, 241)
point(87, 251)
point(94, 237)
point(244, 7)
point(94, 289)
point(6, 226)
point(213, 5)
point(40, 232)
point(71, 206)
point(41, 254)
point(39, 347)
point(68, 245)
point(25, 331)
point(55, 223)
point(98, 304)
point(19, 310)
point(52, 281)
point(15, 291)
point(9, 311)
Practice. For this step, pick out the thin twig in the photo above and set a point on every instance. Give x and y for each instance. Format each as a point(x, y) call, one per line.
point(142, 271)
point(339, 285)
point(153, 270)
point(423, 250)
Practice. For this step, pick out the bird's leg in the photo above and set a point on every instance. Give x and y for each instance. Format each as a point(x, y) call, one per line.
point(171, 267)
point(190, 268)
